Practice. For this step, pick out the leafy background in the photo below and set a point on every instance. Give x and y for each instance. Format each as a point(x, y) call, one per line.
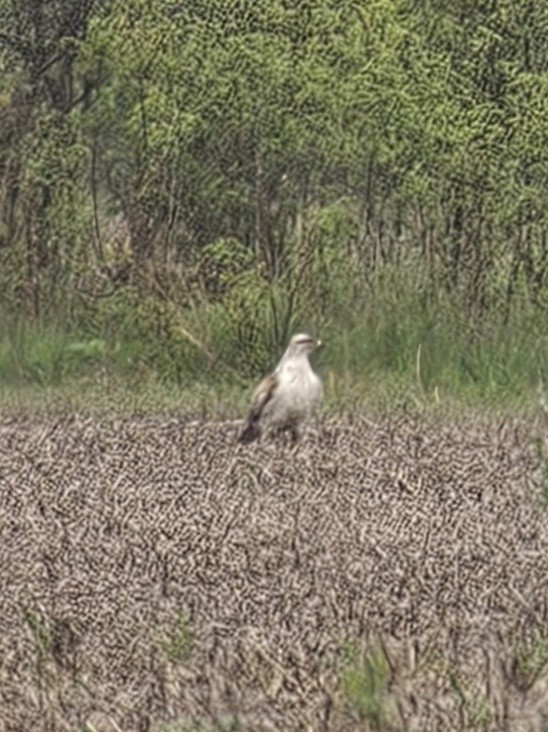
point(183, 184)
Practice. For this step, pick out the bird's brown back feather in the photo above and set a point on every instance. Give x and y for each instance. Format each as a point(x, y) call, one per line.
point(261, 396)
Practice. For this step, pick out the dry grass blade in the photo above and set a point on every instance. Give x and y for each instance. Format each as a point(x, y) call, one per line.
point(154, 576)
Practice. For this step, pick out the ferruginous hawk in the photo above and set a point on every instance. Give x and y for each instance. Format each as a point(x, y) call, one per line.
point(287, 397)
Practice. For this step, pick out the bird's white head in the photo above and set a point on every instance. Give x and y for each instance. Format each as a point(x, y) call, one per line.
point(302, 344)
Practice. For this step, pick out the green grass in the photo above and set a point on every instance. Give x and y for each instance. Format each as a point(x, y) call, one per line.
point(176, 643)
point(364, 685)
point(434, 355)
point(392, 351)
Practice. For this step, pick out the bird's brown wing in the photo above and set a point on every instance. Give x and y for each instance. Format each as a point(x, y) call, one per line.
point(261, 396)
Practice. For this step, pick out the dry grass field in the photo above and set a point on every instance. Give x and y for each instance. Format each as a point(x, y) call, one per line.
point(387, 574)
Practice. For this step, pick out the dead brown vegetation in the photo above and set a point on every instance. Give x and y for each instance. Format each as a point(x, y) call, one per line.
point(152, 573)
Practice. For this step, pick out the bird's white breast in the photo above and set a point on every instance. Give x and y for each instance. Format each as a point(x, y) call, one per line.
point(298, 393)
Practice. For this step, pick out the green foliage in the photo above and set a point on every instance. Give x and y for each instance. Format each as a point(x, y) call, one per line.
point(177, 644)
point(530, 661)
point(46, 356)
point(475, 707)
point(222, 264)
point(394, 333)
point(364, 683)
point(371, 171)
point(382, 342)
point(41, 636)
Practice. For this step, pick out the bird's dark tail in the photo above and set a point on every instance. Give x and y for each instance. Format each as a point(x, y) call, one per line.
point(249, 432)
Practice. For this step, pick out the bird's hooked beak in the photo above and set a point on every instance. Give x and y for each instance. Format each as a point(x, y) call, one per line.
point(319, 343)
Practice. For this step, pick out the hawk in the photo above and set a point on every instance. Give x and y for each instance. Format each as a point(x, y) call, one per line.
point(287, 397)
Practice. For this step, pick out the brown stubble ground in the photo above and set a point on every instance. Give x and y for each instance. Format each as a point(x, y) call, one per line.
point(152, 571)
